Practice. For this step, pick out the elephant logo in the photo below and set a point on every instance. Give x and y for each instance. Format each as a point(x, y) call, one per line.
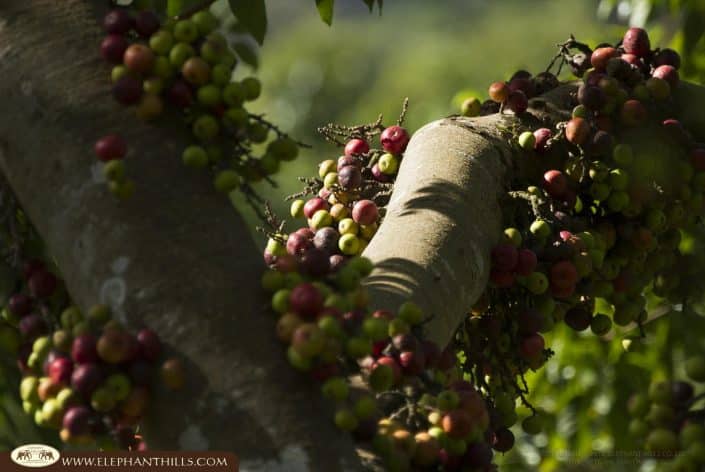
point(35, 455)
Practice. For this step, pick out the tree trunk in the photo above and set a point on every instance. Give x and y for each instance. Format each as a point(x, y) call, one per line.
point(176, 257)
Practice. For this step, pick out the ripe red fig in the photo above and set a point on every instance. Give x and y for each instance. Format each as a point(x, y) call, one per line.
point(19, 304)
point(113, 48)
point(139, 58)
point(531, 346)
point(601, 56)
point(555, 183)
point(394, 139)
point(146, 23)
point(391, 362)
point(32, 325)
point(60, 370)
point(517, 102)
point(180, 94)
point(78, 421)
point(667, 73)
point(313, 205)
point(380, 176)
point(577, 131)
point(523, 84)
point(356, 146)
point(542, 135)
point(315, 262)
point(667, 57)
point(365, 212)
point(412, 362)
point(349, 177)
point(636, 41)
point(110, 147)
point(83, 349)
point(150, 346)
point(499, 92)
point(297, 244)
point(306, 300)
point(42, 284)
point(86, 378)
point(117, 21)
point(504, 257)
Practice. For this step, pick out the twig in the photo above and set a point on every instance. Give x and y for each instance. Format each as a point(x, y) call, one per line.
point(280, 134)
point(404, 109)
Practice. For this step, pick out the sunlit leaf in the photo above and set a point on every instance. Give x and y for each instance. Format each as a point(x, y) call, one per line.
point(325, 9)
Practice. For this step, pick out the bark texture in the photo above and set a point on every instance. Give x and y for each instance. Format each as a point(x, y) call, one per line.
point(175, 257)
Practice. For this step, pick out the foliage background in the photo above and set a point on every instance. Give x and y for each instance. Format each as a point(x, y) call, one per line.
point(436, 53)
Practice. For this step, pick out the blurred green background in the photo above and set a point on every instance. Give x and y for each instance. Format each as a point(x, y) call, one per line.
point(435, 52)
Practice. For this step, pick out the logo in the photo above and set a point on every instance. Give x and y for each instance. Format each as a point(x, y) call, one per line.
point(34, 455)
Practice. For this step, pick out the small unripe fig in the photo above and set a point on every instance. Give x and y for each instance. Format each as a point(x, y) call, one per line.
point(527, 140)
point(471, 107)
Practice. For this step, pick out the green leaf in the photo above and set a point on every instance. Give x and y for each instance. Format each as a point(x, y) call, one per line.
point(247, 54)
point(325, 9)
point(252, 14)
